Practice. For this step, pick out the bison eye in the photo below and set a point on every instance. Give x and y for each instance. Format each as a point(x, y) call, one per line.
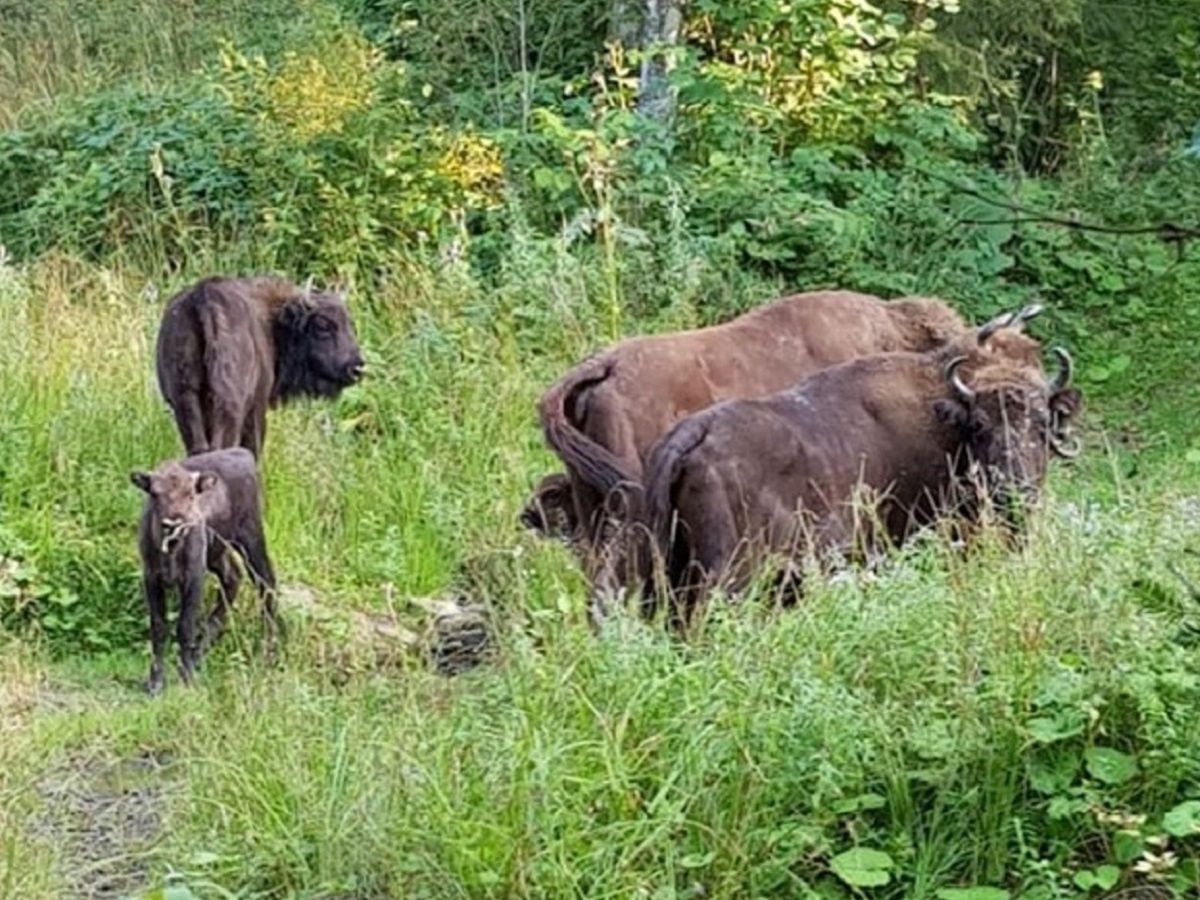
point(323, 327)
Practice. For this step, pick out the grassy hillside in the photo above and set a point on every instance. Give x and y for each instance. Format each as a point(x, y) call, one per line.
point(1018, 724)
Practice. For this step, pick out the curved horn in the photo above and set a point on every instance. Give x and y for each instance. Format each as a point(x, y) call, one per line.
point(1032, 311)
point(1065, 368)
point(1065, 449)
point(960, 388)
point(991, 327)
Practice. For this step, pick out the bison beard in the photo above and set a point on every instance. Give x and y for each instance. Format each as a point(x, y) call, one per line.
point(784, 474)
point(230, 348)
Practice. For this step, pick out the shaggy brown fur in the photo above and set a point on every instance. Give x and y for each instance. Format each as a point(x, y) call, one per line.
point(196, 510)
point(904, 432)
point(229, 348)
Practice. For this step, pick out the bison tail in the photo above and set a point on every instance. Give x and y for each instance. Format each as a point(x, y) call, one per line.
point(595, 464)
point(662, 471)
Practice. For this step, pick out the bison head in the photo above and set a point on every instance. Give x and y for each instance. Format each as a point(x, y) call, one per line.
point(1008, 416)
point(179, 500)
point(317, 352)
point(551, 509)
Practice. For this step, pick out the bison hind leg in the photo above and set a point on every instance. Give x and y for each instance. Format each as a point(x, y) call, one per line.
point(254, 432)
point(189, 416)
point(221, 564)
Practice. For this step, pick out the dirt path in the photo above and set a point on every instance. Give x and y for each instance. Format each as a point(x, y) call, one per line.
point(103, 817)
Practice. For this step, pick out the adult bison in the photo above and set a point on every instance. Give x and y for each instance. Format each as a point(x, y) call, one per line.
point(229, 348)
point(856, 456)
point(604, 415)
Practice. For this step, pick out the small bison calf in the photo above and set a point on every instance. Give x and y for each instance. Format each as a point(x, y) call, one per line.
point(196, 510)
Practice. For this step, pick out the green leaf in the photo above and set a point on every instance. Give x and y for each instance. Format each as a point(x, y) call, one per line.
point(1104, 877)
point(1127, 846)
point(863, 867)
point(1059, 728)
point(1107, 877)
point(696, 860)
point(1193, 456)
point(1065, 807)
point(1109, 765)
point(859, 803)
point(972, 893)
point(1183, 820)
point(1119, 364)
point(1055, 774)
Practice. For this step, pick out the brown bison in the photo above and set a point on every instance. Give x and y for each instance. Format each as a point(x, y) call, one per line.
point(196, 510)
point(908, 434)
point(604, 415)
point(551, 509)
point(229, 348)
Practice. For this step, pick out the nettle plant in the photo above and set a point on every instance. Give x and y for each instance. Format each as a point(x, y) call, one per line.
point(1096, 791)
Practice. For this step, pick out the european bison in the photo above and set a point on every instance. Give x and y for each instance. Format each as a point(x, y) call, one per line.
point(551, 509)
point(604, 415)
point(196, 510)
point(908, 434)
point(229, 348)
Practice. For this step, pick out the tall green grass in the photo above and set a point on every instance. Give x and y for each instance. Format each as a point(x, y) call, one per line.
point(58, 49)
point(947, 712)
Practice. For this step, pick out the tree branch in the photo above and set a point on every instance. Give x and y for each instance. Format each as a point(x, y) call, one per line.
point(1167, 232)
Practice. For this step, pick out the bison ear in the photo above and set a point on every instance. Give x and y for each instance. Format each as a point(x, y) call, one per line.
point(952, 413)
point(294, 313)
point(971, 422)
point(141, 480)
point(205, 481)
point(1066, 403)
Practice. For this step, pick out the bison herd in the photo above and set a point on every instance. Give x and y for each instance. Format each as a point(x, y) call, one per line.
point(818, 427)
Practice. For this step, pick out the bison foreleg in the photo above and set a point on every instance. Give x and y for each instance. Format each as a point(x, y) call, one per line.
point(191, 603)
point(156, 604)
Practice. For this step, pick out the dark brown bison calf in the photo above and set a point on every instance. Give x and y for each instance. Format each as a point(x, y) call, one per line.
point(196, 511)
point(229, 348)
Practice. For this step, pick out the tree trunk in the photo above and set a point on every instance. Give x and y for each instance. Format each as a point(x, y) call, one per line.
point(662, 22)
point(625, 23)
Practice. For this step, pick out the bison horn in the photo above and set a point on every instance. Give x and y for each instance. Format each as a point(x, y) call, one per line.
point(1001, 321)
point(1065, 366)
point(960, 388)
point(1032, 311)
point(1060, 445)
